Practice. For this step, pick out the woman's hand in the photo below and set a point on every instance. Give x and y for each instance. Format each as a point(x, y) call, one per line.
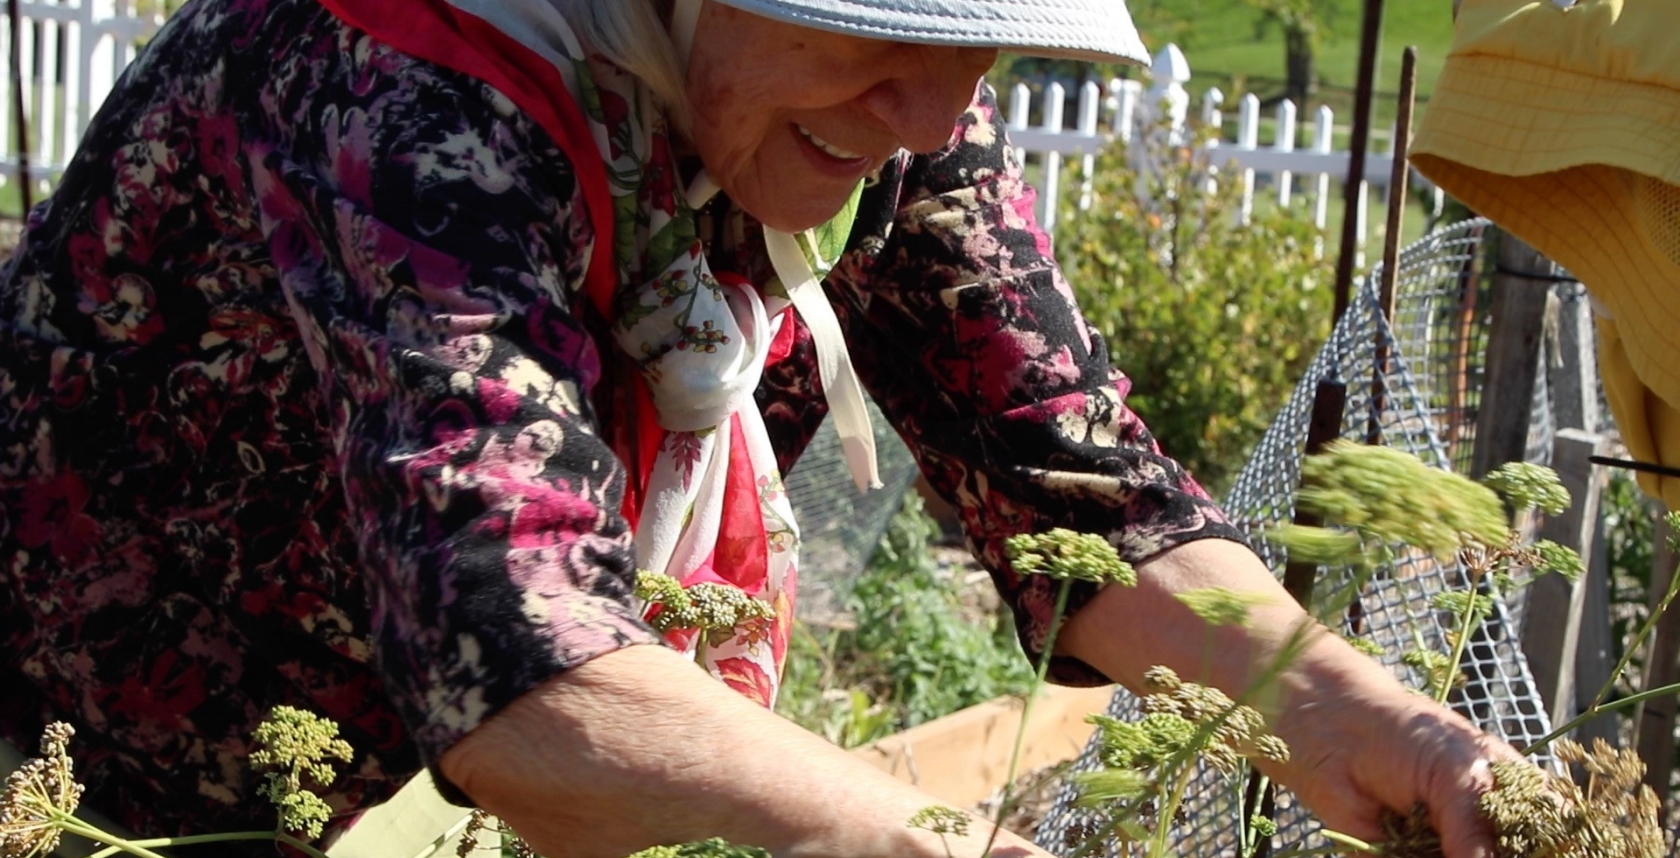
point(1362, 747)
point(641, 747)
point(1360, 742)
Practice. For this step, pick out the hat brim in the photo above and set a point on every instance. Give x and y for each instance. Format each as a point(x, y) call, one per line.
point(1088, 30)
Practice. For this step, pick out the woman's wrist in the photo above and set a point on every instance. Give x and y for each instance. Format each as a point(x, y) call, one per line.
point(1280, 660)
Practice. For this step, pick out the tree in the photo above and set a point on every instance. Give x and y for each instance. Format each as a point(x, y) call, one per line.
point(1304, 23)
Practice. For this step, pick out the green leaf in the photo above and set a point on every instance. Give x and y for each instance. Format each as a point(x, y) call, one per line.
point(831, 237)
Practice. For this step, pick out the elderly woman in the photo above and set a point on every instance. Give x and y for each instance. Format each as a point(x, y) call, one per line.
point(368, 349)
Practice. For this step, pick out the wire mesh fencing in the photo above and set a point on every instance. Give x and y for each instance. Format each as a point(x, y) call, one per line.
point(1417, 399)
point(840, 526)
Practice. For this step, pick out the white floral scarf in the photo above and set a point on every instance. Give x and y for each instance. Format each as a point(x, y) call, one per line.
point(705, 496)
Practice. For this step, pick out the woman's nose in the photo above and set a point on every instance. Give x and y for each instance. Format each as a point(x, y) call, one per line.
point(929, 88)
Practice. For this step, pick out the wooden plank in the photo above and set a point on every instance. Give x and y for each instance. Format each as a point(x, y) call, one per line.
point(407, 825)
point(1515, 340)
point(1574, 379)
point(964, 757)
point(1655, 722)
point(1551, 632)
point(1595, 655)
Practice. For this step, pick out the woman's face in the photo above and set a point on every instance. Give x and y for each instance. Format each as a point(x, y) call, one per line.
point(788, 119)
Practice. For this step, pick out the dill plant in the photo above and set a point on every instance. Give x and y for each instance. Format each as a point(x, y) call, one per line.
point(1147, 765)
point(1376, 501)
point(40, 800)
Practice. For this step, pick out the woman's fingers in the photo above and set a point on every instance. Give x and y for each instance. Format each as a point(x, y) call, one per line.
point(1456, 817)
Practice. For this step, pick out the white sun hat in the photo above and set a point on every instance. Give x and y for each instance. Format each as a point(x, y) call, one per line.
point(1097, 30)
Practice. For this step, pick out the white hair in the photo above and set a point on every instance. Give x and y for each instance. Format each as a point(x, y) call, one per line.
point(633, 34)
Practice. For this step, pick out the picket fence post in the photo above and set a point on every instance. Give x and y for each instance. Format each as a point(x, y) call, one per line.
point(1050, 190)
point(80, 48)
point(1248, 141)
point(1285, 142)
point(1090, 105)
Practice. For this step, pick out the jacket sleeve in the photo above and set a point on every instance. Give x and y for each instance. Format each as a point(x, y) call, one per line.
point(429, 241)
point(965, 331)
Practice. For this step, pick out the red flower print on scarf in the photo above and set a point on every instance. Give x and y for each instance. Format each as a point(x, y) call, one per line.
point(748, 679)
point(659, 182)
point(685, 447)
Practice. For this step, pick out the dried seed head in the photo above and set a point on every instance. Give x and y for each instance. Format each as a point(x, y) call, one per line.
point(1161, 680)
point(39, 794)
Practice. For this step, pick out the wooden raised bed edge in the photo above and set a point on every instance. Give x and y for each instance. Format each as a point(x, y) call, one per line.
point(963, 757)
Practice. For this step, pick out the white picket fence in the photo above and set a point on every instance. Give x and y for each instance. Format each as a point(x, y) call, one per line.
point(72, 53)
point(1124, 107)
point(74, 50)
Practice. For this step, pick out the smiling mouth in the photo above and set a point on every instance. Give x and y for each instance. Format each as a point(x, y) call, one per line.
point(829, 148)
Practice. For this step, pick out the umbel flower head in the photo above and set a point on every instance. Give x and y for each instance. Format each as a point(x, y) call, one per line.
point(1179, 714)
point(1069, 555)
point(705, 607)
point(1528, 486)
point(714, 848)
point(299, 745)
point(39, 795)
point(1396, 498)
point(941, 820)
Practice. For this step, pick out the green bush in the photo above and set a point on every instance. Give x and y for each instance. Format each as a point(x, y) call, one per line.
point(1214, 321)
point(912, 652)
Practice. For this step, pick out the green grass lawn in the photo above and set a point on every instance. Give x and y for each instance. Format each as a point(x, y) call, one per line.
point(1221, 44)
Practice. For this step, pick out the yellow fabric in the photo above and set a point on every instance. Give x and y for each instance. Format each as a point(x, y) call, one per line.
point(1563, 126)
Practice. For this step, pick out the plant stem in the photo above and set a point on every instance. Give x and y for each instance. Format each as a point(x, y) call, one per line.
point(1638, 643)
point(1471, 615)
point(1348, 842)
point(1044, 658)
point(1342, 843)
point(1169, 811)
point(1250, 835)
point(300, 846)
point(140, 847)
point(190, 840)
point(1598, 709)
point(71, 824)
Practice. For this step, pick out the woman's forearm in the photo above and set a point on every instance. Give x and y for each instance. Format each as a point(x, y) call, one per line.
point(1125, 631)
point(641, 747)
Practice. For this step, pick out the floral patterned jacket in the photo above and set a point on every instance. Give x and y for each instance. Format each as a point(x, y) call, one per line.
point(300, 403)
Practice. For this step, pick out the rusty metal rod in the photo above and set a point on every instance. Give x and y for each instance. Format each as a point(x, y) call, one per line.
point(1397, 192)
point(22, 116)
point(1370, 44)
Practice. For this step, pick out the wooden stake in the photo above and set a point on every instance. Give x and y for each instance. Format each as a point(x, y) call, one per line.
point(1654, 721)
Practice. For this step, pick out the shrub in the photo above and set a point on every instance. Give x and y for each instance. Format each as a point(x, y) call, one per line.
point(912, 648)
point(1214, 320)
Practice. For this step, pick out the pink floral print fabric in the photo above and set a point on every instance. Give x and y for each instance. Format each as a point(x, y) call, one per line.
point(300, 403)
